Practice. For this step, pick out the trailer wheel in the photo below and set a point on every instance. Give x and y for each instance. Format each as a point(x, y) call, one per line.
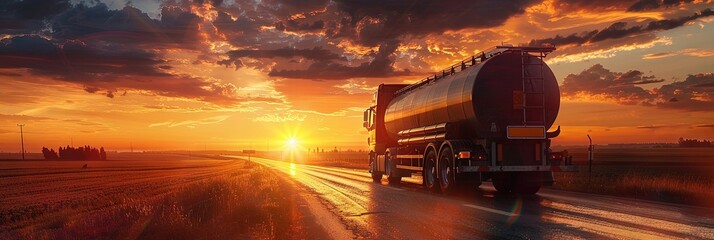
point(527, 190)
point(429, 172)
point(376, 175)
point(503, 183)
point(447, 180)
point(393, 174)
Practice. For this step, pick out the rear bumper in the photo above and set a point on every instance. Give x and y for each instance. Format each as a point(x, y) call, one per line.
point(532, 168)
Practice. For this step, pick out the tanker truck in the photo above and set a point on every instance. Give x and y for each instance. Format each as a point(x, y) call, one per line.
point(486, 118)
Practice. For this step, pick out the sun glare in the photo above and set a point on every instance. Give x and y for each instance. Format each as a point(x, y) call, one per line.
point(292, 143)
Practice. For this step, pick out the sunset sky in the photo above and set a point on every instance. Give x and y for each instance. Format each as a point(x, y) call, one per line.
point(237, 74)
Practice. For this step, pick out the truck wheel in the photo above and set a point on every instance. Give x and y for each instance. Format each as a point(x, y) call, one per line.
point(527, 190)
point(503, 183)
point(446, 171)
point(376, 175)
point(393, 174)
point(429, 172)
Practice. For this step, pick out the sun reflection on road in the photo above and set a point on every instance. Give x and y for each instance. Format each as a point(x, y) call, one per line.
point(292, 169)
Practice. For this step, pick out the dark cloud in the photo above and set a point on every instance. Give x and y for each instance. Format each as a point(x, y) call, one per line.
point(19, 16)
point(104, 66)
point(373, 22)
point(706, 126)
point(620, 30)
point(570, 5)
point(644, 5)
point(176, 28)
point(215, 3)
point(629, 5)
point(288, 8)
point(241, 31)
point(312, 54)
point(107, 51)
point(295, 26)
point(696, 93)
point(381, 65)
point(619, 87)
point(77, 60)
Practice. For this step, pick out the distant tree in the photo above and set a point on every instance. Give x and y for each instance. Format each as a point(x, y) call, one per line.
point(80, 153)
point(102, 154)
point(694, 143)
point(49, 154)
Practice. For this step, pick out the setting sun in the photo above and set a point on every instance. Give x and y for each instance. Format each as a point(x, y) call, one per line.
point(292, 143)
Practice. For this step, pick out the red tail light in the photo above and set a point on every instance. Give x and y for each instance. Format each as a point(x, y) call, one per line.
point(555, 156)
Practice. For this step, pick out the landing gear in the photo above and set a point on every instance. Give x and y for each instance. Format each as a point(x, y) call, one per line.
point(429, 172)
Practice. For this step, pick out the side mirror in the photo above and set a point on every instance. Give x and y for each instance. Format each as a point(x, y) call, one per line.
point(365, 124)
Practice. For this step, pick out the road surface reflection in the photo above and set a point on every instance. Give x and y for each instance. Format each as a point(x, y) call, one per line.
point(379, 210)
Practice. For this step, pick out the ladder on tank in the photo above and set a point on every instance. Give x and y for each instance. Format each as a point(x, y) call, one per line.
point(533, 87)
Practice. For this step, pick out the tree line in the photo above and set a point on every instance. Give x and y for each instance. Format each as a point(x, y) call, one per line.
point(694, 143)
point(71, 153)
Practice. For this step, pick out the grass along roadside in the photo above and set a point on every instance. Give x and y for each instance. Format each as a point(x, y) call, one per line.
point(689, 185)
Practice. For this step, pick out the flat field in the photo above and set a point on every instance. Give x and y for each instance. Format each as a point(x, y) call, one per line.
point(677, 175)
point(161, 199)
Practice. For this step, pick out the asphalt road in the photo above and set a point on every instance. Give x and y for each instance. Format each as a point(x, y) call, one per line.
point(355, 206)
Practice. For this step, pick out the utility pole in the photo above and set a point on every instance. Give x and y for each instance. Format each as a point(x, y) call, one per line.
point(22, 140)
point(590, 158)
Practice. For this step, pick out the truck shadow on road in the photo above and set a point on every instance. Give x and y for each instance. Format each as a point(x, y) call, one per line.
point(486, 213)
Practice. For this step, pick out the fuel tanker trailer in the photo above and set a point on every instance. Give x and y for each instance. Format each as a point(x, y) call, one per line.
point(485, 118)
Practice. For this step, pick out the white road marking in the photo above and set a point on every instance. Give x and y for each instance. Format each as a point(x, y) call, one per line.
point(508, 214)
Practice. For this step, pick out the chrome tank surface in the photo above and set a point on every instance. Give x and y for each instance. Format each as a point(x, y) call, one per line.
point(478, 99)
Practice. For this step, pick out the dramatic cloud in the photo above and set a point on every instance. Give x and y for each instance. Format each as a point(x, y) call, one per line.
point(620, 30)
point(381, 65)
point(375, 21)
point(619, 87)
point(295, 26)
point(591, 5)
point(176, 28)
point(693, 52)
point(106, 50)
point(77, 60)
point(696, 93)
point(18, 16)
point(630, 5)
point(312, 54)
point(644, 5)
point(106, 66)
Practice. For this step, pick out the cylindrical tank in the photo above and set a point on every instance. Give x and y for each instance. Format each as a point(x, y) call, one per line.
point(478, 98)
